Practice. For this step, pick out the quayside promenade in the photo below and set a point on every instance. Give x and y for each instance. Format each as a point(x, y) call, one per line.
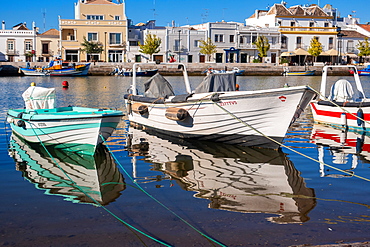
point(251, 69)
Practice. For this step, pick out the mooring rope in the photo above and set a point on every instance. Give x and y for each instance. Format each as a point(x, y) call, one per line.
point(289, 148)
point(156, 200)
point(95, 201)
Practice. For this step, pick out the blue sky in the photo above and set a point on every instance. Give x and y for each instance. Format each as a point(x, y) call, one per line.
point(182, 12)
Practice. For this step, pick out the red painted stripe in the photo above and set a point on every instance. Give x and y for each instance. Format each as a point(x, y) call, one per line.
point(337, 114)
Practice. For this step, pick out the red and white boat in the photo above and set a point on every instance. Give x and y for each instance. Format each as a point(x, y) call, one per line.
point(345, 106)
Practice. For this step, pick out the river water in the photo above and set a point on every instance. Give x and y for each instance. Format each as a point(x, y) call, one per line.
point(196, 193)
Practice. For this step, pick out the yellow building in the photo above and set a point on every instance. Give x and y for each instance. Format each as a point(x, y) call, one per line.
point(102, 21)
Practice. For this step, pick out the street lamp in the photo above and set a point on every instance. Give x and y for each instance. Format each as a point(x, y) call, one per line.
point(105, 45)
point(179, 46)
point(340, 37)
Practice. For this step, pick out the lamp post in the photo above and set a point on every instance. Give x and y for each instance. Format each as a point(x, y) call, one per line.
point(340, 37)
point(179, 46)
point(105, 45)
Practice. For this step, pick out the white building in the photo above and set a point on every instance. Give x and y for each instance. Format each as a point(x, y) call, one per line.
point(298, 25)
point(181, 43)
point(18, 44)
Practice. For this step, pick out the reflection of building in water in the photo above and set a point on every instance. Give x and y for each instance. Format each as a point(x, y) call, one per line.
point(345, 148)
point(96, 175)
point(233, 178)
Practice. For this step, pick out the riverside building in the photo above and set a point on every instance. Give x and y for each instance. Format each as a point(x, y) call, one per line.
point(101, 21)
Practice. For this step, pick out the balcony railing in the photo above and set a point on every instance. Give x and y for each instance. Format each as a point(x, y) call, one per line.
point(12, 52)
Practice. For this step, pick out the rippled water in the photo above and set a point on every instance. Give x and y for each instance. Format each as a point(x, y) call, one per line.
point(198, 193)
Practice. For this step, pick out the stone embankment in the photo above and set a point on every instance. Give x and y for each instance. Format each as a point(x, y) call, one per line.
point(250, 69)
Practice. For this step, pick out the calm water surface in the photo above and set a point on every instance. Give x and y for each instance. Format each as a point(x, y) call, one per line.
point(232, 195)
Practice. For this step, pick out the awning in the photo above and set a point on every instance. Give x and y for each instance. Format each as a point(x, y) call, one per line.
point(351, 55)
point(324, 53)
point(300, 51)
point(332, 52)
point(287, 54)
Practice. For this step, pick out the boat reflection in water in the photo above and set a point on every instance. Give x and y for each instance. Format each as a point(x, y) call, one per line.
point(345, 147)
point(233, 178)
point(91, 179)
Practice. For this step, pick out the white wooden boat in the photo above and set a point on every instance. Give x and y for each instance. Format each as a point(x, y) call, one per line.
point(77, 128)
point(96, 178)
point(233, 178)
point(342, 102)
point(214, 111)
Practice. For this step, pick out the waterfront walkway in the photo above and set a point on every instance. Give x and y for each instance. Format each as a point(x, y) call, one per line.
point(251, 69)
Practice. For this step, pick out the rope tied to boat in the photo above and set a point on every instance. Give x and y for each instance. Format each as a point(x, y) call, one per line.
point(75, 185)
point(289, 148)
point(156, 200)
point(340, 107)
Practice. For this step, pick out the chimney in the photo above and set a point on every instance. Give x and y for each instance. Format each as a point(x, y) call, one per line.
point(256, 13)
point(3, 25)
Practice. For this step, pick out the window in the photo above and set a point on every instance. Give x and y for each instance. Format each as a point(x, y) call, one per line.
point(196, 43)
point(326, 24)
point(284, 41)
point(231, 39)
point(279, 23)
point(219, 38)
point(312, 24)
point(45, 48)
point(115, 38)
point(133, 43)
point(92, 36)
point(95, 17)
point(254, 38)
point(177, 45)
point(28, 45)
point(292, 24)
point(116, 18)
point(241, 39)
point(331, 43)
point(10, 45)
point(299, 42)
point(350, 46)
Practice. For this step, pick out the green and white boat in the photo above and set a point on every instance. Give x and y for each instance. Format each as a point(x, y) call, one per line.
point(77, 128)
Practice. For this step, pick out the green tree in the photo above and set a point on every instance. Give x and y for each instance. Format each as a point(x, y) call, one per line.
point(207, 48)
point(315, 48)
point(151, 45)
point(263, 46)
point(90, 47)
point(364, 47)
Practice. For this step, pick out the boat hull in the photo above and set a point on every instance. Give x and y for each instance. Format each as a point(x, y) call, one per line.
point(142, 73)
point(78, 71)
point(242, 118)
point(299, 73)
point(74, 128)
point(343, 118)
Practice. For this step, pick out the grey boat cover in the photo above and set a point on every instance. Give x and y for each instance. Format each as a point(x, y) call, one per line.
point(217, 83)
point(157, 87)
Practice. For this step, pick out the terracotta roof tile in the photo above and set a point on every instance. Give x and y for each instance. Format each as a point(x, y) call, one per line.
point(98, 2)
point(51, 32)
point(352, 34)
point(364, 26)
